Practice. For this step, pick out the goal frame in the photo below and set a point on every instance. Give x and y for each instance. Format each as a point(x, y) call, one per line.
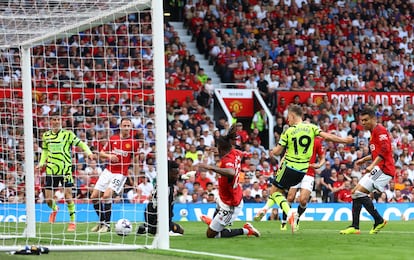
point(161, 241)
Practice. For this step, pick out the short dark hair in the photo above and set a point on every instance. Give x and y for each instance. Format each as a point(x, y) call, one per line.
point(368, 111)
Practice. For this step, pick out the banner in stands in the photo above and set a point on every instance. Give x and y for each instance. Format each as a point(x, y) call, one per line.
point(192, 212)
point(91, 93)
point(239, 101)
point(379, 97)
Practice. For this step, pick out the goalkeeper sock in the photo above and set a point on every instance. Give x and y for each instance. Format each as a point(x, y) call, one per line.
point(107, 212)
point(71, 209)
point(54, 206)
point(278, 198)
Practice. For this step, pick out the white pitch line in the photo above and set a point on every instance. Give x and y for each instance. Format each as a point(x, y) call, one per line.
point(212, 254)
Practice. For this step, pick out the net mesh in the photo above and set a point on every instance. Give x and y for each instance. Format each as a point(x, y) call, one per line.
point(26, 22)
point(94, 66)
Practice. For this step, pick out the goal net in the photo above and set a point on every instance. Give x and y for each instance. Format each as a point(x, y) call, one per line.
point(93, 62)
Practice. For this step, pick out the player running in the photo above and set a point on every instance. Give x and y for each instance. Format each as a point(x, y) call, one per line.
point(298, 141)
point(306, 185)
point(378, 174)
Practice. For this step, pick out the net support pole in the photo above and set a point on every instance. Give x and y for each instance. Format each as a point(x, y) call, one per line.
point(163, 241)
point(28, 142)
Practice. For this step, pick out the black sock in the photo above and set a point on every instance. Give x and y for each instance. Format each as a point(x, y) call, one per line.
point(356, 211)
point(284, 217)
point(231, 232)
point(97, 207)
point(301, 210)
point(107, 212)
point(369, 206)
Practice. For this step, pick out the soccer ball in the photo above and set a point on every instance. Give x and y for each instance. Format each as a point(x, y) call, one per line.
point(123, 227)
point(183, 213)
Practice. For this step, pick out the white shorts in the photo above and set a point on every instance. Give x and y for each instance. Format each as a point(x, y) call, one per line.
point(225, 216)
point(109, 180)
point(306, 183)
point(375, 180)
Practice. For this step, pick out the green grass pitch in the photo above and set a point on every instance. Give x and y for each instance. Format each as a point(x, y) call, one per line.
point(315, 240)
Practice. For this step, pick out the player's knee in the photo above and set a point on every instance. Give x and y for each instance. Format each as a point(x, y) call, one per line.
point(210, 233)
point(303, 201)
point(290, 198)
point(106, 197)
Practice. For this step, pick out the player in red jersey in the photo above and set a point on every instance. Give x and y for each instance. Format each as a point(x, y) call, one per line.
point(230, 202)
point(119, 152)
point(378, 173)
point(306, 185)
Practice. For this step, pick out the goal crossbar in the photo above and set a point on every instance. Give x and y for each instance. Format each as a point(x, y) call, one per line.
point(31, 35)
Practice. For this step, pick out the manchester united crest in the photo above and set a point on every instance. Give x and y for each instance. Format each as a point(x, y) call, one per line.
point(236, 106)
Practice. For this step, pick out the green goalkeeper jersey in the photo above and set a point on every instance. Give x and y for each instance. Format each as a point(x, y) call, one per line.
point(57, 151)
point(298, 141)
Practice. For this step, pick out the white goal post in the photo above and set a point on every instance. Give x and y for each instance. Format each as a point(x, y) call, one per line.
point(24, 25)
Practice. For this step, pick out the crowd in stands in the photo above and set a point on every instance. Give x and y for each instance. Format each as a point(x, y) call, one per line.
point(279, 45)
point(307, 45)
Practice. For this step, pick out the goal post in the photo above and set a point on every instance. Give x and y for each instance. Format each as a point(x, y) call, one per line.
point(30, 231)
point(43, 24)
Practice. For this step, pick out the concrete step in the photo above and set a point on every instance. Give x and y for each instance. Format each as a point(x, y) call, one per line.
point(204, 63)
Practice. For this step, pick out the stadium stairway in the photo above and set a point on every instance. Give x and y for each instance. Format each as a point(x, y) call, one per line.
point(191, 46)
point(204, 63)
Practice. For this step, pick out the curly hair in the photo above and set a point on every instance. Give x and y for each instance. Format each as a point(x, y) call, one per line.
point(225, 143)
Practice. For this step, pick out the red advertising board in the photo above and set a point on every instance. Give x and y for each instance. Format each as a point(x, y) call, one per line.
point(180, 95)
point(379, 97)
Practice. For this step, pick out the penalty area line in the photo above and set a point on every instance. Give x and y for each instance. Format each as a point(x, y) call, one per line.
point(212, 254)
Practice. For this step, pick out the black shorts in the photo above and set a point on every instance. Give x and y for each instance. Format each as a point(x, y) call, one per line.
point(287, 177)
point(53, 181)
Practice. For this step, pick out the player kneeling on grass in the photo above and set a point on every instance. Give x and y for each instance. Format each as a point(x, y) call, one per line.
point(151, 217)
point(229, 202)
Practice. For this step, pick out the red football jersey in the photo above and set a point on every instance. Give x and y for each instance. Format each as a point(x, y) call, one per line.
point(380, 145)
point(123, 149)
point(230, 190)
point(345, 195)
point(317, 151)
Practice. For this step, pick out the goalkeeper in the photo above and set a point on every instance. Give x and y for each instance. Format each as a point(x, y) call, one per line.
point(151, 218)
point(56, 155)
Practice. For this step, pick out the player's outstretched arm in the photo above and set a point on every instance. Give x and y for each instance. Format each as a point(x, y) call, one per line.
point(86, 150)
point(363, 160)
point(337, 139)
point(229, 172)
